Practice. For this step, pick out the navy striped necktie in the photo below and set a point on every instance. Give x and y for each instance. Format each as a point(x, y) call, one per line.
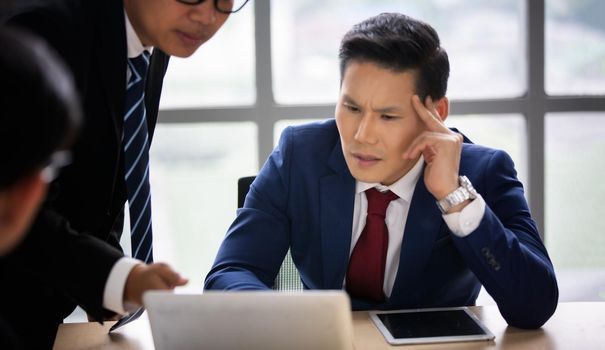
point(136, 167)
point(136, 160)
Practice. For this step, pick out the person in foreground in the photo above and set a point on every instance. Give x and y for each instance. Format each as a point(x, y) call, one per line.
point(118, 52)
point(29, 156)
point(38, 90)
point(40, 117)
point(380, 201)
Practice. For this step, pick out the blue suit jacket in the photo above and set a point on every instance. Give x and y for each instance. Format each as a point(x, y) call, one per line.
point(303, 199)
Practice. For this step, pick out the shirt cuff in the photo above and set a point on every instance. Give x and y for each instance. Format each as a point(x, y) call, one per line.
point(464, 222)
point(113, 296)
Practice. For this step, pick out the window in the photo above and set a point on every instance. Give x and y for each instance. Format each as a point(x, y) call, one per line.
point(575, 145)
point(575, 47)
point(483, 38)
point(194, 172)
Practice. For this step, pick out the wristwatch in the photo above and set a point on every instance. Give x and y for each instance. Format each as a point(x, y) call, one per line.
point(458, 196)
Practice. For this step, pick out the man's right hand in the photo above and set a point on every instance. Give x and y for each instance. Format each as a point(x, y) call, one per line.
point(158, 276)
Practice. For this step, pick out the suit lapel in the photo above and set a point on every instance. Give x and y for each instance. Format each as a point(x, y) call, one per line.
point(111, 62)
point(153, 87)
point(337, 195)
point(421, 230)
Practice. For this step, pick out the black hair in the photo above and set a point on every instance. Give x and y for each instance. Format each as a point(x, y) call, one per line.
point(399, 43)
point(39, 107)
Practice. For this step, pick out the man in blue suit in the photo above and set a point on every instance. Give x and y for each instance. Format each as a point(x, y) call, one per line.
point(380, 201)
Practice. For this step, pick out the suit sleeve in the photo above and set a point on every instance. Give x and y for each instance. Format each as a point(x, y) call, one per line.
point(251, 254)
point(75, 264)
point(506, 252)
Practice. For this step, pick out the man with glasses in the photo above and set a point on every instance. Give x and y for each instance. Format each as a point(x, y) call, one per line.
point(118, 51)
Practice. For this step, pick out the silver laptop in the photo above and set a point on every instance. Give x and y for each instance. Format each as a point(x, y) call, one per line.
point(250, 320)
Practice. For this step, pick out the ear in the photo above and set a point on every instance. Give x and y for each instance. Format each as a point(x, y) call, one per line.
point(443, 108)
point(18, 205)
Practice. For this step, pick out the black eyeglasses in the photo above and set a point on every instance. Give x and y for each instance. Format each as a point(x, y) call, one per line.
point(57, 161)
point(222, 6)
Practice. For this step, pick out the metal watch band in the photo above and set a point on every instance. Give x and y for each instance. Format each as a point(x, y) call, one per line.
point(458, 196)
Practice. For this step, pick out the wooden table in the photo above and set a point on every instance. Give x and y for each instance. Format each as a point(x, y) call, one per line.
point(579, 325)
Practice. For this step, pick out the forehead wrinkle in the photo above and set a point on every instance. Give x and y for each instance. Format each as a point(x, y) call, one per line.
point(387, 109)
point(366, 90)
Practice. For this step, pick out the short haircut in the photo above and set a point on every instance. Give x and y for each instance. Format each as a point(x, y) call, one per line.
point(399, 43)
point(39, 107)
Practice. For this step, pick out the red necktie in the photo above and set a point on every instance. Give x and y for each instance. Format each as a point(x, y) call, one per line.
point(365, 275)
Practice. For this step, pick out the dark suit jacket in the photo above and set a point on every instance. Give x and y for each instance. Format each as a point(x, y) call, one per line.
point(303, 199)
point(66, 257)
point(8, 338)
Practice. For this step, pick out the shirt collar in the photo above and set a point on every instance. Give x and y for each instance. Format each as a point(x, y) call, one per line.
point(134, 44)
point(403, 188)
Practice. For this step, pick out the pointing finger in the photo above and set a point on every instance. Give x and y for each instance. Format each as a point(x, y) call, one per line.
point(430, 117)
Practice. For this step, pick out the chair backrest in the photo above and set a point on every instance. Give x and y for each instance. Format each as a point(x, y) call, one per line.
point(288, 277)
point(243, 185)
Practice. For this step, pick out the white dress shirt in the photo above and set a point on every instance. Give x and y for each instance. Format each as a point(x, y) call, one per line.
point(461, 223)
point(113, 295)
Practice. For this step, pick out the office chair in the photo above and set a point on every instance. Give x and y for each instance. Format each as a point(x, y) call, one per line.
point(288, 277)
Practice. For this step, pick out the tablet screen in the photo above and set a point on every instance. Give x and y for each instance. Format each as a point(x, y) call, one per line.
point(431, 325)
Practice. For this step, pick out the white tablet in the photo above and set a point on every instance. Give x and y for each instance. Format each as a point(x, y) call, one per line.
point(437, 325)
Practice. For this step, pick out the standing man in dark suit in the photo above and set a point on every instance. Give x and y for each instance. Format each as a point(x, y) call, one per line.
point(379, 201)
point(107, 46)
